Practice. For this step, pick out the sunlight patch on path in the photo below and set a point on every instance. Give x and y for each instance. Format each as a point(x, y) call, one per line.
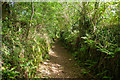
point(51, 52)
point(48, 68)
point(60, 64)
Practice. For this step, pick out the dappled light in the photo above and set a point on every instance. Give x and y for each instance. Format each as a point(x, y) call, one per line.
point(59, 65)
point(66, 40)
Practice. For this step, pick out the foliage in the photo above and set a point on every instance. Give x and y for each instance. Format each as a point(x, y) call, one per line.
point(9, 74)
point(96, 44)
point(20, 54)
point(89, 29)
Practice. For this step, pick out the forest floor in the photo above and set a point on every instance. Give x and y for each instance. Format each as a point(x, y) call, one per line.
point(60, 65)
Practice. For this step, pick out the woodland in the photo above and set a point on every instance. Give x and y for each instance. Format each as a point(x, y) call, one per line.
point(88, 31)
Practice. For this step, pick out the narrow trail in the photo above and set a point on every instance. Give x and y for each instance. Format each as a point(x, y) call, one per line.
point(60, 65)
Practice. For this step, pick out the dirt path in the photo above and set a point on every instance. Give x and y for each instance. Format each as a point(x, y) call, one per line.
point(60, 65)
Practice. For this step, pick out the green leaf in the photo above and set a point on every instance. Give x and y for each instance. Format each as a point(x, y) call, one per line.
point(12, 68)
point(16, 72)
point(7, 53)
point(12, 77)
point(117, 50)
point(3, 68)
point(107, 77)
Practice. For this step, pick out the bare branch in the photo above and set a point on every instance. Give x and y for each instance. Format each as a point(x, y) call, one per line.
point(32, 11)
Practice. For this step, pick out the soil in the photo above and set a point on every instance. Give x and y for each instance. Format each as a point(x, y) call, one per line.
point(60, 65)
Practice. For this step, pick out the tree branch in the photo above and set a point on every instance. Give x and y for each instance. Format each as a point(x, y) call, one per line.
point(30, 19)
point(32, 11)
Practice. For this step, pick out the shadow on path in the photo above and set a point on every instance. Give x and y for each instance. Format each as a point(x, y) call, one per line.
point(60, 65)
